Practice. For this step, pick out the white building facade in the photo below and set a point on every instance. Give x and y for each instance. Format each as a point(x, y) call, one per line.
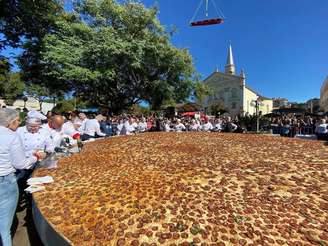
point(324, 96)
point(230, 90)
point(30, 104)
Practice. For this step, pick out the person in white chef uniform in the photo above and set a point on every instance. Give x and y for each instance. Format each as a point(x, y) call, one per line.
point(59, 131)
point(34, 139)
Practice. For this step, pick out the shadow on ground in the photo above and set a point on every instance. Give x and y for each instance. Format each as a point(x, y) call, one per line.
point(23, 228)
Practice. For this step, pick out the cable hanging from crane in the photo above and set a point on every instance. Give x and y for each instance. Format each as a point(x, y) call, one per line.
point(214, 21)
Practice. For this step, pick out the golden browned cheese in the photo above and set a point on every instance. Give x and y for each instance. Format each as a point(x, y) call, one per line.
point(191, 189)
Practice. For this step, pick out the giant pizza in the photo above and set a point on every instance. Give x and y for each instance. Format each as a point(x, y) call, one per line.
point(191, 189)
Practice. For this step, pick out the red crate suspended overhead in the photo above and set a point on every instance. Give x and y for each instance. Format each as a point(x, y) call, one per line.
point(215, 21)
point(219, 18)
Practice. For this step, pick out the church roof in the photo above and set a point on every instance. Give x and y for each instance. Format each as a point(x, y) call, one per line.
point(260, 96)
point(264, 98)
point(227, 75)
point(249, 88)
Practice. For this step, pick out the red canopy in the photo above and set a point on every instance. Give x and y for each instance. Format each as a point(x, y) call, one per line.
point(192, 114)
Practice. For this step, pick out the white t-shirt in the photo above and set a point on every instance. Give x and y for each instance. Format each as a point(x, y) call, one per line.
point(135, 125)
point(92, 127)
point(69, 129)
point(77, 121)
point(207, 127)
point(12, 155)
point(218, 126)
point(321, 129)
point(194, 127)
point(179, 127)
point(167, 127)
point(130, 128)
point(142, 126)
point(119, 129)
point(82, 127)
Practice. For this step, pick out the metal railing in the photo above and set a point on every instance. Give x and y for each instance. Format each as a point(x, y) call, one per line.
point(291, 131)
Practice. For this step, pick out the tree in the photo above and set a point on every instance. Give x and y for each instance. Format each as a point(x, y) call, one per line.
point(11, 85)
point(201, 91)
point(188, 107)
point(4, 74)
point(27, 20)
point(116, 55)
point(218, 107)
point(64, 106)
point(138, 109)
point(13, 88)
point(23, 24)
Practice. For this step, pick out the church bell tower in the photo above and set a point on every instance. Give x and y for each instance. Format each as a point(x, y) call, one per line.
point(230, 66)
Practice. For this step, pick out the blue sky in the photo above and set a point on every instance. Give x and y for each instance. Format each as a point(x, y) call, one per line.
point(281, 44)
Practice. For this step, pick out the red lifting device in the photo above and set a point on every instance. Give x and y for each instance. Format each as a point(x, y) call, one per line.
point(207, 22)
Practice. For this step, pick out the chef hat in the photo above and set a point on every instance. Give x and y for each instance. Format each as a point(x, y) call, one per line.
point(7, 115)
point(35, 121)
point(35, 114)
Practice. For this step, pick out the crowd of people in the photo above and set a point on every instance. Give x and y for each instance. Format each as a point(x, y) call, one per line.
point(23, 145)
point(287, 126)
point(127, 125)
point(290, 126)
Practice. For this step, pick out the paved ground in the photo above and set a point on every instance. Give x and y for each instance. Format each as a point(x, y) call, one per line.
point(23, 228)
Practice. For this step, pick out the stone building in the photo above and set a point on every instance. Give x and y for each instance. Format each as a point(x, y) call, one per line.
point(280, 103)
point(313, 105)
point(324, 96)
point(231, 90)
